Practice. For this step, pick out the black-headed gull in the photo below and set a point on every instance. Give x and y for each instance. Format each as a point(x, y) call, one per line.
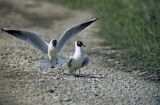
point(55, 46)
point(78, 60)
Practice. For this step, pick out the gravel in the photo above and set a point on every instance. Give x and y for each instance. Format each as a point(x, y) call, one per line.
point(24, 82)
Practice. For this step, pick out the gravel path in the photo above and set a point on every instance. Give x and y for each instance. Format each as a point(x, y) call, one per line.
point(24, 83)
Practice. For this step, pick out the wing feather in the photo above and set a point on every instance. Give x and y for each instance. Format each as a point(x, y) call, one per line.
point(71, 32)
point(30, 37)
point(85, 62)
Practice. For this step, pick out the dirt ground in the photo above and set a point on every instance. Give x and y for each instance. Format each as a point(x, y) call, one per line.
point(24, 82)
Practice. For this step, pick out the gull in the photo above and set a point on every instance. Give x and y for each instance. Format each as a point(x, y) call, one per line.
point(54, 46)
point(78, 60)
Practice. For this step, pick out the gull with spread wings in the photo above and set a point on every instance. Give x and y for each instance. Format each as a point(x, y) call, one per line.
point(54, 46)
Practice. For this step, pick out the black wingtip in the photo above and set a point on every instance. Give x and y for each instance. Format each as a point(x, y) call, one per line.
point(92, 20)
point(10, 31)
point(3, 29)
point(95, 19)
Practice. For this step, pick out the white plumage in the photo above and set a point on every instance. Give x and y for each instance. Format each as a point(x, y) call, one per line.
point(52, 48)
point(78, 60)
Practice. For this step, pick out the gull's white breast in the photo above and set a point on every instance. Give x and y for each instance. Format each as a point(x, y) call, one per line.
point(52, 52)
point(78, 58)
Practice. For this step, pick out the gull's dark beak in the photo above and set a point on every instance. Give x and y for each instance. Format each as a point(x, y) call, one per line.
point(83, 45)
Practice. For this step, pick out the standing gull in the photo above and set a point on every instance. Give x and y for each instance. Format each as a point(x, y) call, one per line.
point(78, 60)
point(55, 46)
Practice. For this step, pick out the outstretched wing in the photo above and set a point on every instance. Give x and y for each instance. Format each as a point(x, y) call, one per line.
point(71, 32)
point(30, 37)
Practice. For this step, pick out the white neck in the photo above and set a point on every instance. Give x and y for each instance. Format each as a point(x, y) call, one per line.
point(78, 52)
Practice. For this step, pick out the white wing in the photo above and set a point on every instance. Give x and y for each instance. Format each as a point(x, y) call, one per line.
point(71, 32)
point(30, 37)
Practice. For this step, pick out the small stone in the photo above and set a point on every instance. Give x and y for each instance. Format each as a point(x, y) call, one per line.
point(51, 91)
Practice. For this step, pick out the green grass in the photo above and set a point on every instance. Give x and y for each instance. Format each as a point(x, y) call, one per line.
point(133, 25)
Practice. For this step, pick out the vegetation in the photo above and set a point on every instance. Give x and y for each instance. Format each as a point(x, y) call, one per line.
point(133, 25)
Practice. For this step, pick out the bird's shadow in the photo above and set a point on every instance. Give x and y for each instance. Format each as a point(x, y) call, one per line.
point(99, 76)
point(46, 63)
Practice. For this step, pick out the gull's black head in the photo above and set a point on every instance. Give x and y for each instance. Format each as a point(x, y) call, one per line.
point(80, 44)
point(54, 43)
